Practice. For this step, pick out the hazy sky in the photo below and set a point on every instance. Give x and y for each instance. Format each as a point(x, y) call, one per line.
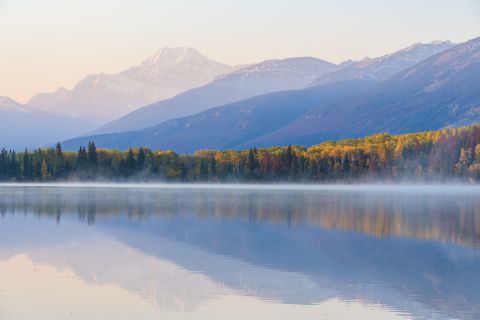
point(50, 43)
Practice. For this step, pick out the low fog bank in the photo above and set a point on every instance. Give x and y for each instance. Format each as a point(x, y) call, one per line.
point(374, 187)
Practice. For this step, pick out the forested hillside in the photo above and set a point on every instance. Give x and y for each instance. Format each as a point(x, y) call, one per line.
point(427, 156)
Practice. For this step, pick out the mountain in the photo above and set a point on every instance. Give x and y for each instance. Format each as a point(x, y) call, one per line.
point(439, 92)
point(49, 101)
point(253, 80)
point(382, 68)
point(270, 76)
point(442, 91)
point(229, 126)
point(9, 105)
point(104, 97)
point(24, 126)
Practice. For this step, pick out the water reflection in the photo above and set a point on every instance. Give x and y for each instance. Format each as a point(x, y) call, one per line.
point(412, 255)
point(442, 217)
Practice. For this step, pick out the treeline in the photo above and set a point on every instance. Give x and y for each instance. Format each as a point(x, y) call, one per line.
point(427, 156)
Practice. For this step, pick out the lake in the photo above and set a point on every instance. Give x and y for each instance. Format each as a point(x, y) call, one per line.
point(88, 251)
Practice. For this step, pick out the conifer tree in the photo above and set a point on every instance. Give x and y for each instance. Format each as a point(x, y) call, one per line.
point(13, 168)
point(3, 164)
point(82, 158)
point(92, 156)
point(251, 164)
point(26, 166)
point(212, 166)
point(203, 170)
point(140, 159)
point(59, 161)
point(130, 163)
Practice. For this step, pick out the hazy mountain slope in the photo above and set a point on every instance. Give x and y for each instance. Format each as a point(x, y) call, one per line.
point(24, 127)
point(386, 66)
point(441, 91)
point(49, 101)
point(105, 97)
point(253, 80)
point(229, 126)
point(9, 105)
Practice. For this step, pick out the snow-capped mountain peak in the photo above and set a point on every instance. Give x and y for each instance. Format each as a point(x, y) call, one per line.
point(177, 64)
point(168, 57)
point(103, 97)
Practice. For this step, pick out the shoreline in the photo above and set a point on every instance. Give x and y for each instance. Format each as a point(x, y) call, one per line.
point(376, 187)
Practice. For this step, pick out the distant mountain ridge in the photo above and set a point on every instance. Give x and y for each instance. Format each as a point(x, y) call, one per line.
point(25, 127)
point(271, 76)
point(250, 81)
point(383, 67)
point(8, 104)
point(105, 97)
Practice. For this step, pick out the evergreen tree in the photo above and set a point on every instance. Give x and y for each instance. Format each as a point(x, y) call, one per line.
point(252, 164)
point(182, 170)
point(212, 166)
point(59, 162)
point(13, 168)
point(27, 170)
point(141, 159)
point(82, 158)
point(4, 164)
point(92, 156)
point(287, 167)
point(129, 166)
point(203, 170)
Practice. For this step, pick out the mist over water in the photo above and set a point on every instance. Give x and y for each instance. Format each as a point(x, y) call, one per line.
point(378, 187)
point(238, 251)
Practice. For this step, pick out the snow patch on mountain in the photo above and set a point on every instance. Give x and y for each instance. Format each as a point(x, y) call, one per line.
point(276, 75)
point(383, 67)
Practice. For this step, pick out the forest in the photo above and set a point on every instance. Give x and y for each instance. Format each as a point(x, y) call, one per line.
point(435, 156)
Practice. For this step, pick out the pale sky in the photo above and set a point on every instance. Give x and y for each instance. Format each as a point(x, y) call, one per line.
point(45, 44)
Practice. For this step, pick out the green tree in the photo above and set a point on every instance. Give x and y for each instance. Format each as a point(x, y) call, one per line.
point(59, 162)
point(92, 156)
point(27, 170)
point(129, 165)
point(141, 159)
point(212, 167)
point(82, 158)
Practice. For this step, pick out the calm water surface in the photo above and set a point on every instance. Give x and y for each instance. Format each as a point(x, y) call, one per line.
point(177, 252)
